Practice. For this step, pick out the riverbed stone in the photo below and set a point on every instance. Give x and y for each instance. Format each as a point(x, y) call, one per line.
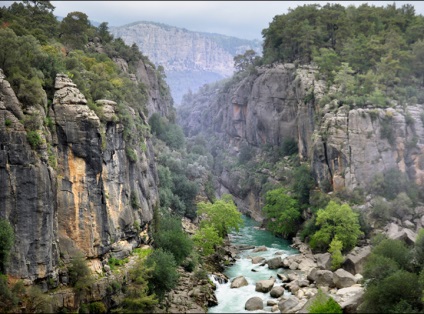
point(239, 282)
point(323, 260)
point(261, 248)
point(253, 304)
point(343, 279)
point(276, 291)
point(257, 259)
point(286, 305)
point(325, 278)
point(265, 285)
point(282, 277)
point(275, 263)
point(355, 260)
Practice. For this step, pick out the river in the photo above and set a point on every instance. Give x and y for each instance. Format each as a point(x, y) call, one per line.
point(233, 300)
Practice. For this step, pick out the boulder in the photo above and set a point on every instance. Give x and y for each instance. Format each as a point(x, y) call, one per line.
point(260, 249)
point(355, 260)
point(277, 291)
point(307, 264)
point(395, 232)
point(265, 285)
point(324, 278)
point(282, 277)
point(253, 304)
point(312, 275)
point(350, 298)
point(239, 282)
point(275, 263)
point(294, 266)
point(323, 261)
point(286, 305)
point(343, 279)
point(271, 302)
point(257, 259)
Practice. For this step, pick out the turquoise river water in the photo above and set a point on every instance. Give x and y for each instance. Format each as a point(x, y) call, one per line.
point(233, 300)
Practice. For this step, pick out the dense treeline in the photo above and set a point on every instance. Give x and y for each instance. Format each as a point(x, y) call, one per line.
point(371, 52)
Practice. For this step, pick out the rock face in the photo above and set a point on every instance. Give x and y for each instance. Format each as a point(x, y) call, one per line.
point(75, 190)
point(190, 59)
point(345, 147)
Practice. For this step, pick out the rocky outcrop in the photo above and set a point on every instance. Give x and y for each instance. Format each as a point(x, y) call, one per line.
point(73, 189)
point(190, 59)
point(346, 147)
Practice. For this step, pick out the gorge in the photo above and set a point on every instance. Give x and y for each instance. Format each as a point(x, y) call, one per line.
point(112, 199)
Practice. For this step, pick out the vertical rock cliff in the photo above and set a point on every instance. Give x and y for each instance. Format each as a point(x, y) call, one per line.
point(74, 189)
point(346, 147)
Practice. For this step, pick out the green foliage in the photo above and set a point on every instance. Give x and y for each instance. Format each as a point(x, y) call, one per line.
point(138, 298)
point(324, 304)
point(396, 293)
point(7, 237)
point(171, 238)
point(8, 299)
point(113, 262)
point(206, 238)
point(79, 275)
point(243, 62)
point(387, 131)
point(336, 220)
point(335, 249)
point(419, 249)
point(222, 215)
point(282, 212)
point(245, 154)
point(289, 147)
point(395, 250)
point(164, 275)
point(7, 122)
point(97, 307)
point(302, 184)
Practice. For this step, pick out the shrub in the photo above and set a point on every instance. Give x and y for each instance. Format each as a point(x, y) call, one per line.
point(379, 267)
point(206, 238)
point(164, 275)
point(380, 210)
point(7, 238)
point(7, 122)
point(34, 139)
point(79, 275)
point(289, 147)
point(170, 237)
point(335, 249)
point(336, 220)
point(282, 212)
point(324, 304)
point(395, 250)
point(303, 183)
point(97, 308)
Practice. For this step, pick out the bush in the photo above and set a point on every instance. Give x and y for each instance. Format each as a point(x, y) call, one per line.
point(34, 139)
point(79, 275)
point(289, 147)
point(206, 238)
point(324, 304)
point(7, 238)
point(336, 220)
point(303, 183)
point(170, 237)
point(164, 275)
point(335, 249)
point(282, 212)
point(395, 250)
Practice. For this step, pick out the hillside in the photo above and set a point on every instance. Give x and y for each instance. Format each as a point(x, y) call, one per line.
point(190, 59)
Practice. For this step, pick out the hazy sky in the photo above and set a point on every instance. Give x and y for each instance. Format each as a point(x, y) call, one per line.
point(243, 19)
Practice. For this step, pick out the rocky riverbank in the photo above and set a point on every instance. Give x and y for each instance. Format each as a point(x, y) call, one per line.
point(301, 275)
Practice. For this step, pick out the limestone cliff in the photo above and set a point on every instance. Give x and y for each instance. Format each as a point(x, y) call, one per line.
point(190, 59)
point(74, 189)
point(345, 147)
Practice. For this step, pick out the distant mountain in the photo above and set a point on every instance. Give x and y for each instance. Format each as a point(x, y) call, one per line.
point(191, 59)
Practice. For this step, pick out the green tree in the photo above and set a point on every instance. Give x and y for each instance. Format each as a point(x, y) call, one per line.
point(74, 30)
point(335, 249)
point(137, 297)
point(419, 249)
point(302, 184)
point(206, 238)
point(328, 63)
point(282, 212)
point(7, 237)
point(243, 61)
point(336, 220)
point(171, 237)
point(222, 215)
point(164, 275)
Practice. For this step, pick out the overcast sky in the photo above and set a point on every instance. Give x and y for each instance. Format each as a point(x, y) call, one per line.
point(243, 19)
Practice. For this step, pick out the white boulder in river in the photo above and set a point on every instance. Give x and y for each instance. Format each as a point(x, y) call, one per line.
point(238, 282)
